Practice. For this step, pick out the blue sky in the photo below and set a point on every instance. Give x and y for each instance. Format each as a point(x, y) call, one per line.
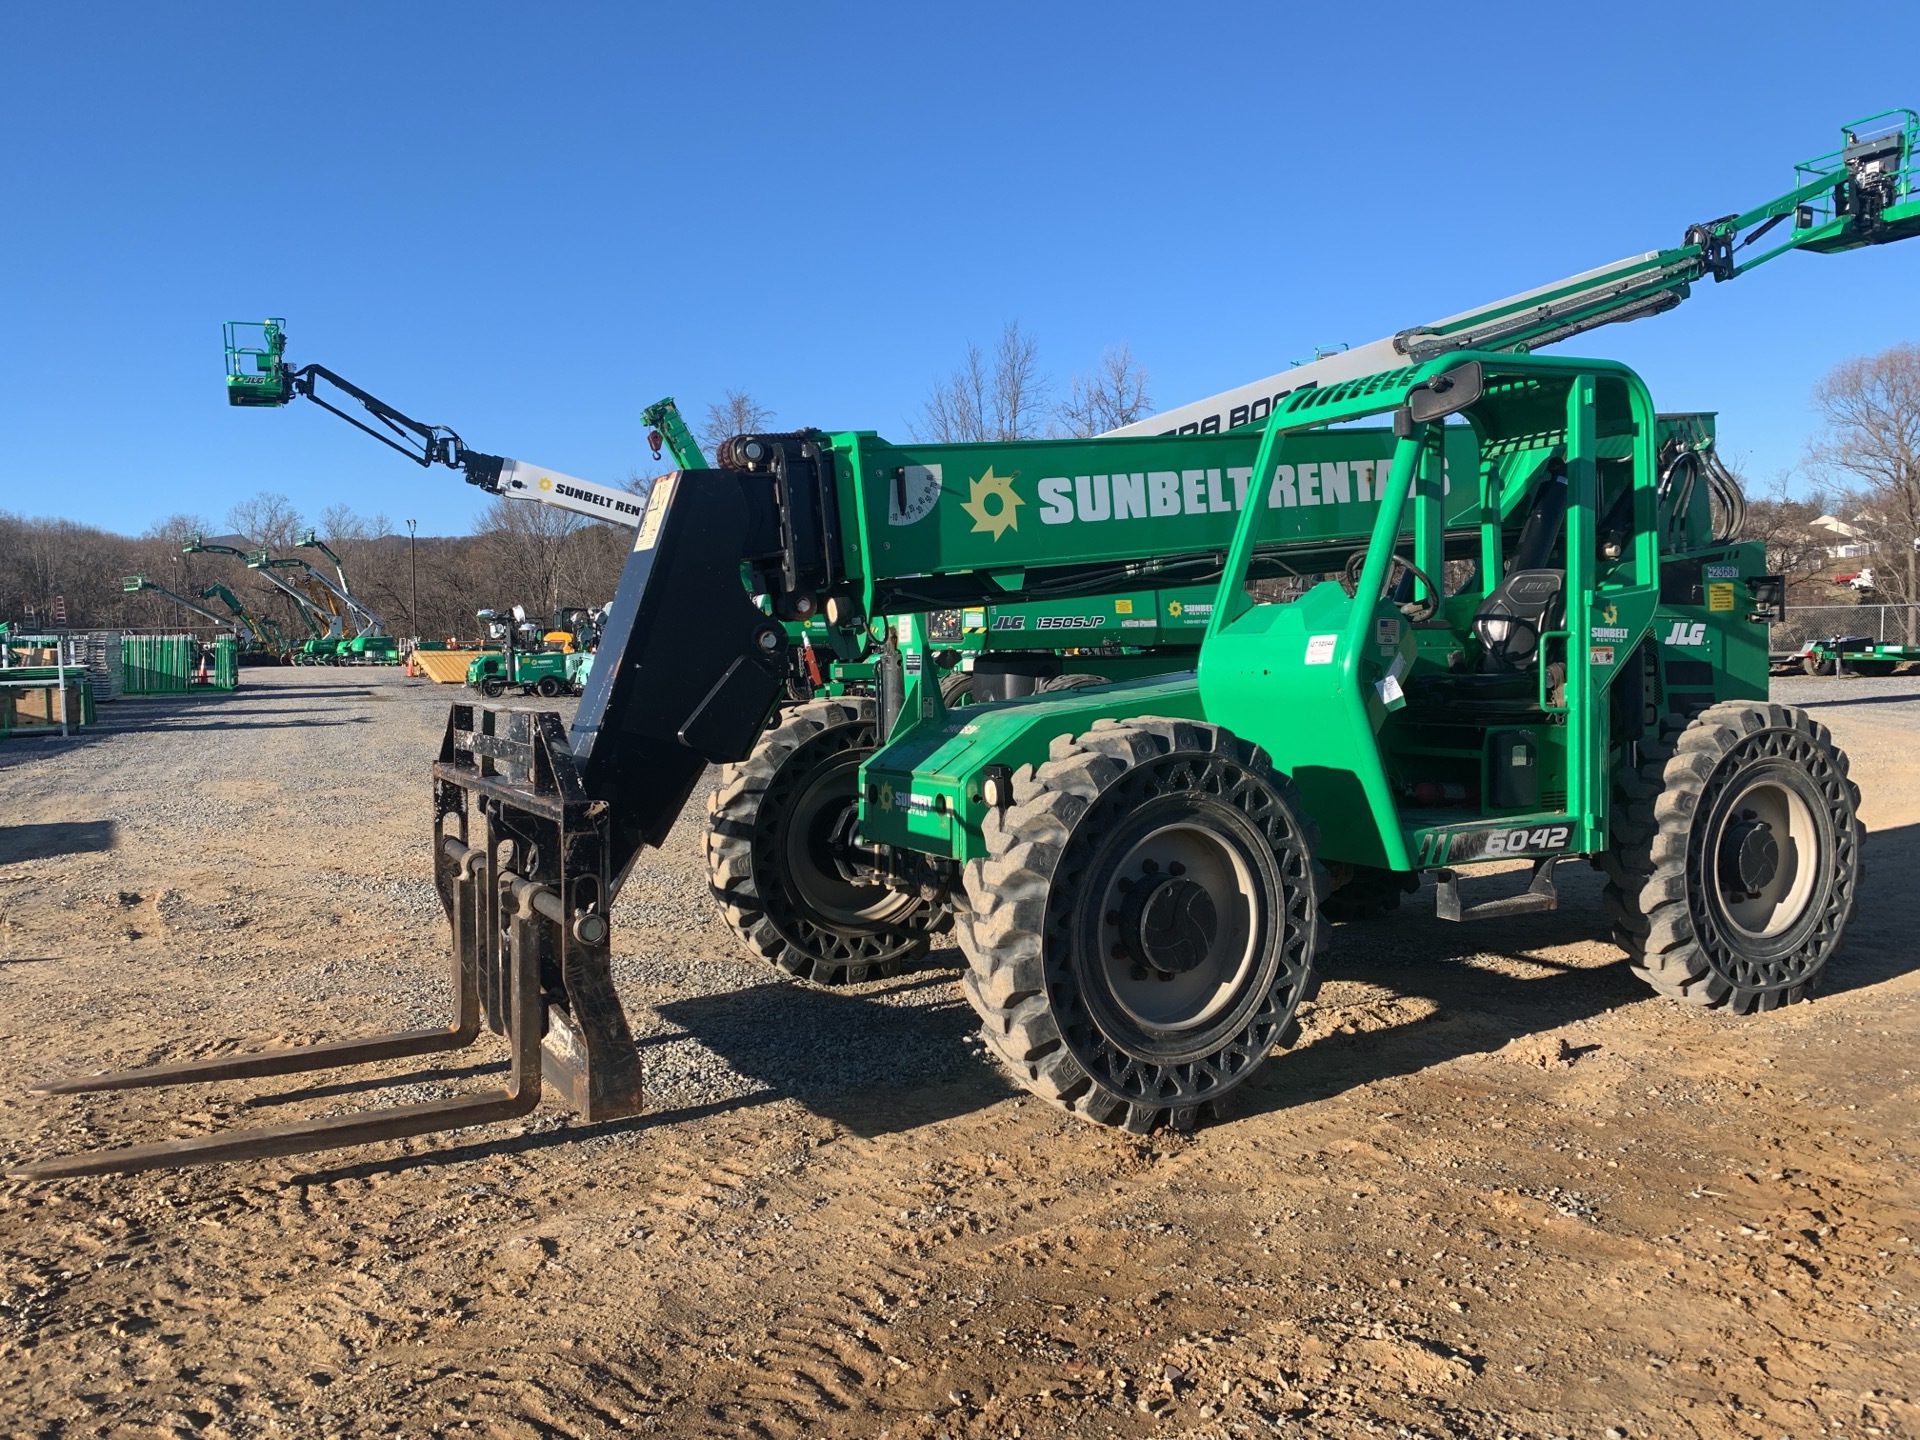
point(529, 221)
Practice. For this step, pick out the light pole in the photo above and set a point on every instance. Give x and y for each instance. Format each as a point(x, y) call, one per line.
point(413, 565)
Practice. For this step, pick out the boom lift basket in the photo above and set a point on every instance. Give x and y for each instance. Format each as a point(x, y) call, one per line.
point(256, 373)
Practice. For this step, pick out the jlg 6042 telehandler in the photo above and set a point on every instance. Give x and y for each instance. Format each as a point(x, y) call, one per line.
point(1136, 871)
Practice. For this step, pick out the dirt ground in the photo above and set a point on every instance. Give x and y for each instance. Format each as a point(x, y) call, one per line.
point(1500, 1190)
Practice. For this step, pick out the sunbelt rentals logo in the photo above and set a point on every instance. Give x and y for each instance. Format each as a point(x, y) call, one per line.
point(992, 503)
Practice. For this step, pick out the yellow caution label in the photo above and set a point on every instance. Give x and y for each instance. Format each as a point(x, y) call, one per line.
point(1720, 595)
point(1123, 607)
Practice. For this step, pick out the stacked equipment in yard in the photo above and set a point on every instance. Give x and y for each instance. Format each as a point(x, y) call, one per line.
point(49, 692)
point(175, 664)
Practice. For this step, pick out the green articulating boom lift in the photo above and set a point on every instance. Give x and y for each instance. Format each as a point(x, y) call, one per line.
point(314, 601)
point(372, 645)
point(268, 636)
point(322, 622)
point(1135, 872)
point(247, 634)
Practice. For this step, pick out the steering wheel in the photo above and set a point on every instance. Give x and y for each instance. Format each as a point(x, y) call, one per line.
point(1416, 611)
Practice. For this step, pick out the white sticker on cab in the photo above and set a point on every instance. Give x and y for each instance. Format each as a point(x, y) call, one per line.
point(1320, 649)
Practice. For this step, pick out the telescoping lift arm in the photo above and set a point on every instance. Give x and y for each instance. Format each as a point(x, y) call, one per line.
point(1865, 193)
point(258, 375)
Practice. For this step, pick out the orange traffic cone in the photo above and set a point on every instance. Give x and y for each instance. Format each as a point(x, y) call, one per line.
point(205, 677)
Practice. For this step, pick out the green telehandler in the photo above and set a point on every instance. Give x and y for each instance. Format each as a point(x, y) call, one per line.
point(1471, 606)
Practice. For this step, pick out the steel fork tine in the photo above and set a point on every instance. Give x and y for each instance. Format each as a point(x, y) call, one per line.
point(526, 1014)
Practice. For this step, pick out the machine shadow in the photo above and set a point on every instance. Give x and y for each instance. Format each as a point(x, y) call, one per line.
point(1880, 943)
point(876, 1061)
point(885, 1059)
point(1478, 1009)
point(56, 837)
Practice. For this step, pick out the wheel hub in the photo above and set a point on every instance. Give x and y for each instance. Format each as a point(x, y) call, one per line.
point(1168, 923)
point(1749, 854)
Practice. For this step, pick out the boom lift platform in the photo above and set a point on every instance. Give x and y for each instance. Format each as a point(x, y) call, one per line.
point(1136, 872)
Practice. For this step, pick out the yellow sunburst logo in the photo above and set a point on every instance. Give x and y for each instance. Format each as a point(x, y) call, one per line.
point(886, 797)
point(998, 518)
point(1173, 607)
point(545, 483)
point(1609, 615)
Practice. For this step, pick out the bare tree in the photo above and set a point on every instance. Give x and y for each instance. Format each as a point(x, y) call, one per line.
point(1871, 406)
point(267, 518)
point(738, 413)
point(1115, 394)
point(339, 523)
point(1006, 399)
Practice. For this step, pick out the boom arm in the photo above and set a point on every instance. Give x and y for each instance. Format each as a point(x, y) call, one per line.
point(1866, 193)
point(134, 584)
point(259, 376)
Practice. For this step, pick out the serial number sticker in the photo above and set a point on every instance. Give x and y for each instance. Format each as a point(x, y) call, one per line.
point(1320, 649)
point(657, 499)
point(1723, 572)
point(1720, 595)
point(1600, 655)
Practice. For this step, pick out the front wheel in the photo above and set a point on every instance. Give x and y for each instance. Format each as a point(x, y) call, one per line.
point(493, 687)
point(1145, 925)
point(777, 827)
point(1737, 857)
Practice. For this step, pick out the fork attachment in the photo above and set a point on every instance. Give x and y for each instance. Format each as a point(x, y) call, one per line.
point(525, 889)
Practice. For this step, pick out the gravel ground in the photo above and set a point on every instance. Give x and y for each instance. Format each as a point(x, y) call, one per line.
point(1500, 1190)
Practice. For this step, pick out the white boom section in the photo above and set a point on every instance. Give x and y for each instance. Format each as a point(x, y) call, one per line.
point(1505, 324)
point(521, 481)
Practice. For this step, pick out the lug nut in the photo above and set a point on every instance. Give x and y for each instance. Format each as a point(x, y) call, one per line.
point(1149, 867)
point(1176, 868)
point(1139, 972)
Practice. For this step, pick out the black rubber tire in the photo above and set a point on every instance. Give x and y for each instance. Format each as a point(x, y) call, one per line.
point(752, 846)
point(1815, 665)
point(1670, 906)
point(1050, 1007)
point(1070, 681)
point(493, 687)
point(957, 689)
point(548, 687)
point(1367, 893)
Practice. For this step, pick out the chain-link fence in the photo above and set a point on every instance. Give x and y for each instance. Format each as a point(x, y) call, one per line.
point(1899, 624)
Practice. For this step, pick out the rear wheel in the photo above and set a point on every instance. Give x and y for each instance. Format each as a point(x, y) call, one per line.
point(957, 689)
point(1817, 665)
point(774, 825)
point(1070, 681)
point(546, 687)
point(493, 687)
point(1146, 923)
point(1737, 857)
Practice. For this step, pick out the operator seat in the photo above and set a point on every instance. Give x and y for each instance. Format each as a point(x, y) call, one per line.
point(1529, 601)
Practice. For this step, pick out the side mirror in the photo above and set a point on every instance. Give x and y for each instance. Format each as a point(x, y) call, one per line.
point(1447, 393)
point(483, 614)
point(520, 613)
